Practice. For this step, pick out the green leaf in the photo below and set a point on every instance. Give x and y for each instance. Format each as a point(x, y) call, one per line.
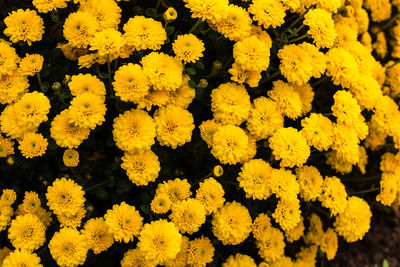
point(385, 263)
point(101, 193)
point(190, 71)
point(151, 12)
point(146, 209)
point(170, 30)
point(137, 10)
point(200, 65)
point(45, 87)
point(192, 84)
point(103, 75)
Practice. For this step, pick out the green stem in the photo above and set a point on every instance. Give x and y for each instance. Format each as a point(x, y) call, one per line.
point(97, 185)
point(158, 5)
point(320, 81)
point(301, 37)
point(202, 179)
point(374, 189)
point(115, 64)
point(165, 24)
point(362, 179)
point(195, 25)
point(276, 73)
point(295, 21)
point(297, 30)
point(39, 80)
point(229, 61)
point(389, 23)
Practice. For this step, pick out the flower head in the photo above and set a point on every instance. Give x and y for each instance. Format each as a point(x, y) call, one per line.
point(24, 25)
point(188, 48)
point(31, 64)
point(27, 232)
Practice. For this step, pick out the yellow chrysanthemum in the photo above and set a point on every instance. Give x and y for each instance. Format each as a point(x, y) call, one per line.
point(6, 147)
point(141, 168)
point(12, 87)
point(8, 59)
point(260, 226)
point(45, 6)
point(287, 214)
point(211, 194)
point(296, 66)
point(6, 212)
point(24, 25)
point(183, 95)
point(160, 204)
point(72, 220)
point(21, 258)
point(251, 54)
point(87, 110)
point(315, 230)
point(342, 67)
point(107, 42)
point(334, 195)
point(177, 190)
point(268, 12)
point(236, 25)
point(31, 203)
point(86, 83)
point(310, 181)
point(71, 158)
point(97, 234)
point(240, 75)
point(318, 130)
point(188, 215)
point(283, 184)
point(182, 257)
point(207, 130)
point(8, 197)
point(296, 233)
point(272, 246)
point(288, 99)
point(200, 252)
point(239, 260)
point(212, 10)
point(188, 48)
point(329, 243)
point(322, 27)
point(27, 232)
point(135, 257)
point(79, 28)
point(170, 14)
point(31, 64)
point(389, 185)
point(33, 145)
point(106, 12)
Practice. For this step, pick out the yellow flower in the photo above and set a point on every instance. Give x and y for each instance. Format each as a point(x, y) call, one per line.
point(71, 220)
point(211, 194)
point(260, 226)
point(264, 119)
point(6, 212)
point(231, 223)
point(45, 6)
point(79, 28)
point(296, 65)
point(177, 190)
point(33, 145)
point(135, 257)
point(183, 95)
point(67, 134)
point(21, 258)
point(24, 25)
point(389, 188)
point(8, 59)
point(207, 130)
point(188, 48)
point(380, 9)
point(315, 231)
point(160, 204)
point(124, 222)
point(12, 87)
point(288, 99)
point(106, 12)
point(272, 246)
point(6, 147)
point(334, 195)
point(87, 110)
point(346, 143)
point(283, 184)
point(86, 83)
point(268, 12)
point(329, 243)
point(144, 33)
point(97, 235)
point(296, 233)
point(342, 67)
point(252, 54)
point(8, 197)
point(27, 232)
point(71, 158)
point(212, 10)
point(236, 25)
point(130, 83)
point(154, 97)
point(174, 126)
point(68, 247)
point(354, 222)
point(287, 214)
point(240, 75)
point(230, 144)
point(141, 168)
point(318, 130)
point(310, 181)
point(290, 146)
point(107, 42)
point(239, 260)
point(31, 64)
point(170, 14)
point(160, 241)
point(182, 257)
point(254, 178)
point(322, 27)
point(65, 196)
point(31, 203)
point(200, 252)
point(188, 215)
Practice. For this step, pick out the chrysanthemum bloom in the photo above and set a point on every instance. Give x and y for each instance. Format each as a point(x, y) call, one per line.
point(188, 48)
point(79, 28)
point(134, 131)
point(157, 98)
point(31, 64)
point(207, 130)
point(12, 87)
point(322, 27)
point(318, 130)
point(6, 212)
point(182, 257)
point(107, 42)
point(8, 59)
point(141, 168)
point(174, 126)
point(8, 197)
point(318, 59)
point(254, 178)
point(97, 235)
point(160, 204)
point(232, 223)
point(288, 99)
point(135, 257)
point(345, 143)
point(27, 232)
point(296, 233)
point(315, 230)
point(87, 110)
point(33, 145)
point(264, 118)
point(6, 147)
point(236, 25)
point(160, 241)
point(107, 13)
point(124, 222)
point(251, 54)
point(346, 109)
point(45, 6)
point(24, 25)
point(31, 202)
point(342, 67)
point(283, 184)
point(388, 188)
point(380, 10)
point(71, 220)
point(329, 243)
point(310, 181)
point(200, 252)
point(71, 158)
point(144, 33)
point(239, 260)
point(32, 109)
point(334, 195)
point(183, 95)
point(260, 226)
point(68, 247)
point(230, 103)
point(163, 71)
point(188, 215)
point(287, 214)
point(230, 144)
point(21, 258)
point(211, 194)
point(241, 75)
point(177, 189)
point(130, 83)
point(354, 222)
point(86, 83)
point(212, 10)
point(272, 246)
point(65, 196)
point(290, 146)
point(268, 12)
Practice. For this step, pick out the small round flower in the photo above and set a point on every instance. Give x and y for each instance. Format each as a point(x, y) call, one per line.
point(21, 258)
point(315, 231)
point(239, 260)
point(260, 226)
point(6, 212)
point(141, 168)
point(87, 110)
point(318, 130)
point(296, 233)
point(183, 95)
point(188, 48)
point(134, 131)
point(160, 204)
point(130, 83)
point(310, 181)
point(329, 243)
point(296, 66)
point(65, 196)
point(177, 190)
point(71, 158)
point(207, 131)
point(182, 257)
point(68, 247)
point(72, 220)
point(210, 10)
point(322, 27)
point(144, 33)
point(240, 75)
point(283, 184)
point(236, 25)
point(230, 144)
point(388, 188)
point(24, 25)
point(287, 214)
point(230, 103)
point(160, 241)
point(86, 83)
point(174, 126)
point(231, 224)
point(268, 12)
point(107, 13)
point(97, 235)
point(124, 222)
point(33, 145)
point(31, 64)
point(107, 42)
point(170, 14)
point(31, 203)
point(12, 86)
point(27, 232)
point(334, 195)
point(254, 178)
point(288, 99)
point(289, 145)
point(272, 246)
point(188, 215)
point(342, 67)
point(6, 147)
point(200, 252)
point(211, 194)
point(251, 54)
point(79, 28)
point(135, 257)
point(8, 197)
point(8, 59)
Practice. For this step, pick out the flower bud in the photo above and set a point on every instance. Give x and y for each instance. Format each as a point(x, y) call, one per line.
point(170, 14)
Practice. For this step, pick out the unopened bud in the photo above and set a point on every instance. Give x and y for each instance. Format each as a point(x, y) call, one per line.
point(56, 86)
point(170, 14)
point(203, 83)
point(66, 80)
point(217, 65)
